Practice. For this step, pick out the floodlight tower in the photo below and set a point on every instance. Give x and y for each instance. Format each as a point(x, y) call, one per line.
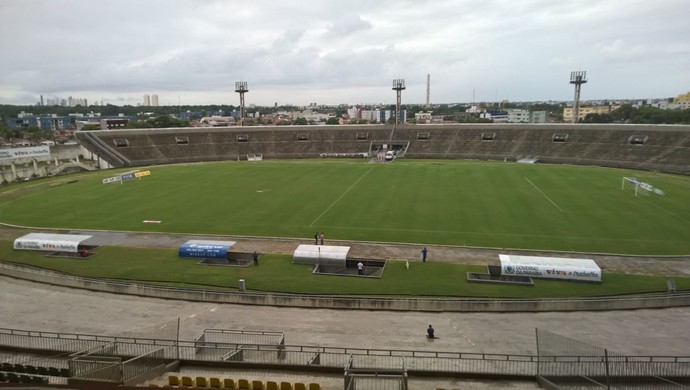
point(398, 86)
point(241, 88)
point(428, 89)
point(578, 78)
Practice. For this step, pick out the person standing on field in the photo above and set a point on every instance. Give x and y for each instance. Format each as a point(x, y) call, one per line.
point(424, 251)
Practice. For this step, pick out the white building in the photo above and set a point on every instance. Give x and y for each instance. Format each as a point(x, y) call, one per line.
point(154, 100)
point(517, 115)
point(147, 100)
point(538, 117)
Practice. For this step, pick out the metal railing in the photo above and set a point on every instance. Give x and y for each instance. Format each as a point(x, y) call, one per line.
point(143, 364)
point(554, 364)
point(566, 362)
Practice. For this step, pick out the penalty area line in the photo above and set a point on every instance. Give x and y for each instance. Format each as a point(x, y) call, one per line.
point(341, 196)
point(541, 192)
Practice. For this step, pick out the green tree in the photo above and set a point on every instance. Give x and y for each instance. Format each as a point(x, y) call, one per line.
point(300, 121)
point(624, 113)
point(598, 118)
point(332, 121)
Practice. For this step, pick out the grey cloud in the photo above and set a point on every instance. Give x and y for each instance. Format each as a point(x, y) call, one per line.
point(524, 48)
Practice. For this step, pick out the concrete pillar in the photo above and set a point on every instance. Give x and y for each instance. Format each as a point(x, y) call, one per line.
point(14, 171)
point(56, 161)
point(35, 167)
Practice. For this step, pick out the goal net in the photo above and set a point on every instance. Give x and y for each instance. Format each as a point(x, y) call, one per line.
point(638, 187)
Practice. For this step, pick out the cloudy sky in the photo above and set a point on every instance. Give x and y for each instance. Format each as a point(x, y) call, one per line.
point(331, 52)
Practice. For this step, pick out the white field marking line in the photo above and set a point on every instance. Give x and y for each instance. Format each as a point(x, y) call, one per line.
point(341, 196)
point(545, 196)
point(667, 211)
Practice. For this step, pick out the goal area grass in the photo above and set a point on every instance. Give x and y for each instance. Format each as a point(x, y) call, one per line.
point(465, 203)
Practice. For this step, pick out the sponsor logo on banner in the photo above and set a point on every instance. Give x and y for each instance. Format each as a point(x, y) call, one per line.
point(140, 174)
point(15, 153)
point(127, 176)
point(111, 179)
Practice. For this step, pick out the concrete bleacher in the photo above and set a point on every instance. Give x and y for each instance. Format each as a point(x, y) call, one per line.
point(666, 147)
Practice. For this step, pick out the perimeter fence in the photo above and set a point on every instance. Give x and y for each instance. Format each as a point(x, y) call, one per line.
point(560, 360)
point(566, 363)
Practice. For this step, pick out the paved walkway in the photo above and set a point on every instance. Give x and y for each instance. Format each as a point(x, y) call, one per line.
point(31, 306)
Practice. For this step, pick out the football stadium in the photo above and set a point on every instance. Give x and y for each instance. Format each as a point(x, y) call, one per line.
point(530, 226)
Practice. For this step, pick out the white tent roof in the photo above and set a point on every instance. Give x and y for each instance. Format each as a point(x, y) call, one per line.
point(548, 261)
point(50, 242)
point(229, 244)
point(314, 254)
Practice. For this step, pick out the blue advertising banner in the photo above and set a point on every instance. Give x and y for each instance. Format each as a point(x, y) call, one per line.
point(204, 250)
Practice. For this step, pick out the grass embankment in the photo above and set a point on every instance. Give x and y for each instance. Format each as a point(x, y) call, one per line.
point(276, 273)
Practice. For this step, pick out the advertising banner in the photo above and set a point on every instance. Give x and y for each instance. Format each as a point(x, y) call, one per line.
point(50, 242)
point(6, 155)
point(113, 179)
point(205, 249)
point(551, 268)
point(140, 174)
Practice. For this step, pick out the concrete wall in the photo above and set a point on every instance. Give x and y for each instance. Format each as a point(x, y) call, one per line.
point(646, 301)
point(25, 167)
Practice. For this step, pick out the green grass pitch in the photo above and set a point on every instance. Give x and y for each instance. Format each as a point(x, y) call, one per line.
point(486, 204)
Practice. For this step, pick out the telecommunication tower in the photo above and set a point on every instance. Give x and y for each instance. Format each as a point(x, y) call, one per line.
point(241, 88)
point(398, 86)
point(578, 78)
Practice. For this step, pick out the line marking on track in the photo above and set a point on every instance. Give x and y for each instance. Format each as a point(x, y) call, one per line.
point(341, 196)
point(545, 196)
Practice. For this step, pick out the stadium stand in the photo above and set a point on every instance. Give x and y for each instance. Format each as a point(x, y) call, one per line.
point(648, 147)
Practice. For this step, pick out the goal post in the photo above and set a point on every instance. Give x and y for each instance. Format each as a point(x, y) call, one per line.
point(639, 187)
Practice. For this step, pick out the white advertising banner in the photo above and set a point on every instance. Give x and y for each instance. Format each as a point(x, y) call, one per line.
point(50, 242)
point(551, 268)
point(30, 152)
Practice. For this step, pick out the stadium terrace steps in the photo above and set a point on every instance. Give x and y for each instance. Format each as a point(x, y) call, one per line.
point(665, 147)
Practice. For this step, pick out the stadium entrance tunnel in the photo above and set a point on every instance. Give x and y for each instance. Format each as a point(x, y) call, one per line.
point(233, 259)
point(370, 268)
point(333, 260)
point(58, 245)
point(493, 275)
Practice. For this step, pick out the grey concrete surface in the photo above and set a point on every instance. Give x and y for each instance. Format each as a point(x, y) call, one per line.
point(31, 306)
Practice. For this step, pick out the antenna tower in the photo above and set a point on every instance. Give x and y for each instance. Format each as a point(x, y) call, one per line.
point(398, 86)
point(241, 88)
point(578, 78)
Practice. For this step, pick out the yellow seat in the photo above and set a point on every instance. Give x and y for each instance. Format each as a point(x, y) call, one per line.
point(173, 380)
point(243, 384)
point(300, 386)
point(214, 382)
point(285, 386)
point(314, 386)
point(187, 381)
point(270, 385)
point(229, 383)
point(257, 385)
point(201, 381)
